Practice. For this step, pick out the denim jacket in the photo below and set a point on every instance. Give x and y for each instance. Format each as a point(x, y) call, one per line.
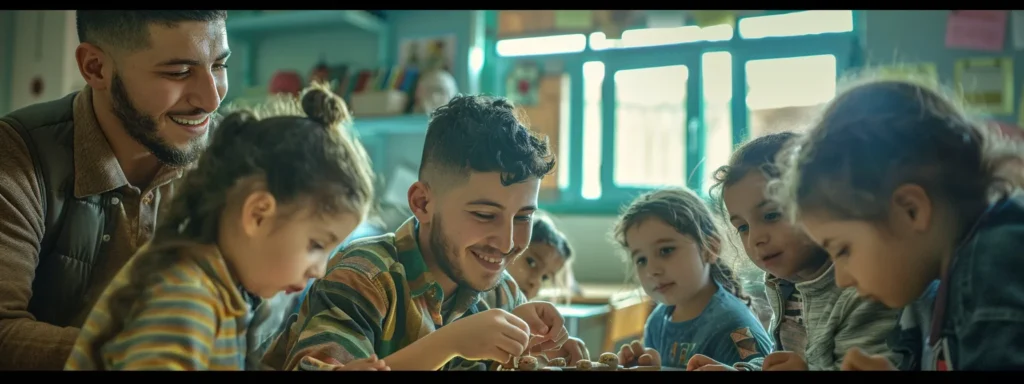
point(983, 322)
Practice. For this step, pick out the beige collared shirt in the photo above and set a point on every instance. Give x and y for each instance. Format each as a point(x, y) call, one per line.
point(24, 342)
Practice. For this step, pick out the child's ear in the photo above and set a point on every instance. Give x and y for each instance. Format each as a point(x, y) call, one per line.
point(911, 207)
point(714, 248)
point(257, 210)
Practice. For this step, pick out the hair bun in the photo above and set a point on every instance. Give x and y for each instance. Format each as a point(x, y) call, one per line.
point(323, 106)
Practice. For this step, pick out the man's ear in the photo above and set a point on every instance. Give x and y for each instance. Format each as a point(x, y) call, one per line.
point(421, 201)
point(95, 65)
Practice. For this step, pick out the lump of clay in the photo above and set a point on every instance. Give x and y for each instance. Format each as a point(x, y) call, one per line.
point(528, 363)
point(584, 364)
point(609, 359)
point(557, 362)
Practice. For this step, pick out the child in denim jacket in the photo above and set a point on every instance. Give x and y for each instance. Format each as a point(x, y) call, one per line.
point(920, 209)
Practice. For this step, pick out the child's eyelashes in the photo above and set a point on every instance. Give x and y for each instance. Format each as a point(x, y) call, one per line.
point(665, 251)
point(842, 252)
point(640, 261)
point(772, 216)
point(315, 246)
point(742, 228)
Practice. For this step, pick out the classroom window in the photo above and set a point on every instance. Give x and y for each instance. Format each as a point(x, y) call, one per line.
point(593, 81)
point(796, 24)
point(717, 104)
point(651, 37)
point(650, 126)
point(783, 94)
point(545, 45)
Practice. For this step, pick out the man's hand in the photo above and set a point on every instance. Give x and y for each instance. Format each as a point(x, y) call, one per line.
point(703, 363)
point(546, 325)
point(330, 364)
point(783, 361)
point(857, 360)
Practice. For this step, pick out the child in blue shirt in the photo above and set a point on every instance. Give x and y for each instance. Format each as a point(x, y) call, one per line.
point(673, 244)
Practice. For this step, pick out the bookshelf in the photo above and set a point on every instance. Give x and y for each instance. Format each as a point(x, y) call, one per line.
point(250, 28)
point(255, 25)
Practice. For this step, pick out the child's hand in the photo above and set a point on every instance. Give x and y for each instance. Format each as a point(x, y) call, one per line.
point(572, 351)
point(369, 364)
point(310, 363)
point(783, 361)
point(546, 323)
point(703, 363)
point(857, 360)
point(493, 334)
point(634, 354)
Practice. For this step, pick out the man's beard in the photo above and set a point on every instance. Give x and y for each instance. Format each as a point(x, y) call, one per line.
point(143, 129)
point(446, 257)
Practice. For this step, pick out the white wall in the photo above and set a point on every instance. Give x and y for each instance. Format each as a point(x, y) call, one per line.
point(44, 47)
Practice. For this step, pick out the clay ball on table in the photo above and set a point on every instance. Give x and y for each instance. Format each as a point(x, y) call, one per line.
point(609, 359)
point(528, 363)
point(584, 364)
point(557, 362)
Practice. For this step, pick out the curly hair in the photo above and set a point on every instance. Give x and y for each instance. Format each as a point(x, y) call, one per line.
point(300, 151)
point(129, 30)
point(482, 134)
point(684, 211)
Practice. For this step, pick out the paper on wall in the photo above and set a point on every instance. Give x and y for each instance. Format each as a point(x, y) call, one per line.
point(986, 84)
point(979, 30)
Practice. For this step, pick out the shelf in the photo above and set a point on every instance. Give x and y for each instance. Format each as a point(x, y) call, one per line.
point(293, 21)
point(391, 125)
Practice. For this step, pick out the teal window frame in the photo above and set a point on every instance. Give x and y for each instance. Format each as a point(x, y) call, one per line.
point(845, 46)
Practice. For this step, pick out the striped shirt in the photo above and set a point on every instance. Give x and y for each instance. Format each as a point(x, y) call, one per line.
point(792, 332)
point(377, 298)
point(194, 318)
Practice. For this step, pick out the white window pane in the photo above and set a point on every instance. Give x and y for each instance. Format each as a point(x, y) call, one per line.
point(717, 89)
point(796, 24)
point(593, 79)
point(545, 45)
point(650, 126)
point(783, 94)
point(650, 37)
point(563, 134)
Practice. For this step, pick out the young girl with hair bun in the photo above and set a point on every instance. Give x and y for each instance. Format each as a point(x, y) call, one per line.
point(273, 195)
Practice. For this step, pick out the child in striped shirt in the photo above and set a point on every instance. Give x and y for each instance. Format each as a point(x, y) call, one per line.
point(276, 191)
point(814, 322)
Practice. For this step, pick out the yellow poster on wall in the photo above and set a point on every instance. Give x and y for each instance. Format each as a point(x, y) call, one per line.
point(706, 19)
point(574, 20)
point(918, 72)
point(986, 84)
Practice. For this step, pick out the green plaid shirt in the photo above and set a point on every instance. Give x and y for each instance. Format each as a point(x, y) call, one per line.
point(378, 297)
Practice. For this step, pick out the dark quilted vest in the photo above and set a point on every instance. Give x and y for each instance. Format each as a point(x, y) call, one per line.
point(76, 230)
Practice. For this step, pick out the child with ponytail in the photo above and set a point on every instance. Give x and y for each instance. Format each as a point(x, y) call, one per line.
point(272, 196)
point(813, 322)
point(673, 244)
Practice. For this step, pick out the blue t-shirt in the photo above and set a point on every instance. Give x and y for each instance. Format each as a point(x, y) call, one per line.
point(726, 330)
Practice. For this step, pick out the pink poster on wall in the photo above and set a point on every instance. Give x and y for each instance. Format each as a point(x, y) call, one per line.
point(979, 30)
